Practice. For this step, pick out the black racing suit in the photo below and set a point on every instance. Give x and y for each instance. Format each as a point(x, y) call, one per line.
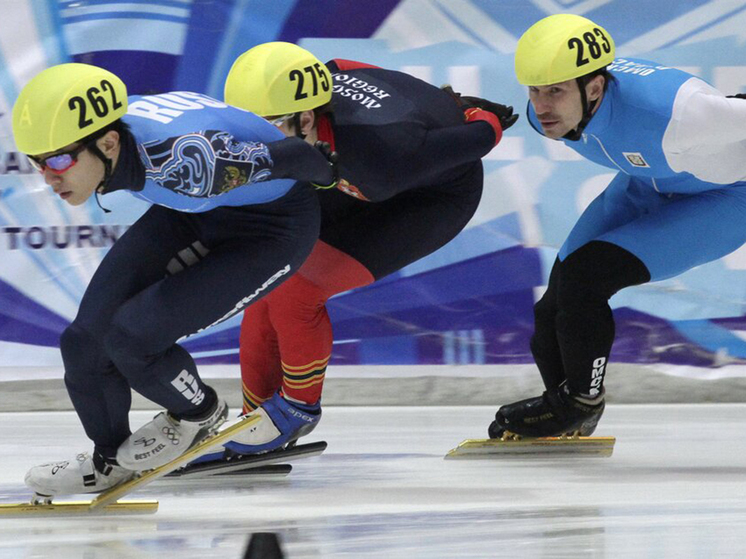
point(411, 179)
point(411, 169)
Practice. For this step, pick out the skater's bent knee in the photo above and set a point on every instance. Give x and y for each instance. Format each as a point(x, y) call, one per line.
point(545, 309)
point(596, 271)
point(76, 339)
point(123, 339)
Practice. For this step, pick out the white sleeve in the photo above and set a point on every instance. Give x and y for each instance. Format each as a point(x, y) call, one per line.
point(706, 135)
point(701, 115)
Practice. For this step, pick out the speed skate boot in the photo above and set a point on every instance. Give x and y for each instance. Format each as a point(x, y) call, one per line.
point(83, 474)
point(555, 413)
point(167, 437)
point(283, 422)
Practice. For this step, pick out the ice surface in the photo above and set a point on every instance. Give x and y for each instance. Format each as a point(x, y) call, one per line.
point(675, 487)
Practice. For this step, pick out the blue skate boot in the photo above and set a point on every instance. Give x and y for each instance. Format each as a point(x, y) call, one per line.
point(283, 422)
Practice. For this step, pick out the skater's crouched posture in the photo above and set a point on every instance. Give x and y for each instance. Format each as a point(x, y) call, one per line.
point(410, 180)
point(229, 224)
point(678, 201)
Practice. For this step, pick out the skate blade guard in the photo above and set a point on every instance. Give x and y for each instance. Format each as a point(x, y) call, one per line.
point(514, 446)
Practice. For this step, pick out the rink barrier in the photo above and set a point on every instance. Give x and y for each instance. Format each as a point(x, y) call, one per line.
point(419, 386)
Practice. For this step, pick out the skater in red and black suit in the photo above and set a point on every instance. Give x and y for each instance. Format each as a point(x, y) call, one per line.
point(410, 180)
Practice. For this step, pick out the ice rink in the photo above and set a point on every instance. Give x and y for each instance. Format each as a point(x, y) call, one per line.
point(675, 487)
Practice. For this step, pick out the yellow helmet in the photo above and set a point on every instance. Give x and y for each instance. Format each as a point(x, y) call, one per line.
point(65, 103)
point(276, 79)
point(561, 47)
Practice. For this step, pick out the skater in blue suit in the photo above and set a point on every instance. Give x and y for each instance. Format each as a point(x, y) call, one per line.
point(233, 216)
point(678, 201)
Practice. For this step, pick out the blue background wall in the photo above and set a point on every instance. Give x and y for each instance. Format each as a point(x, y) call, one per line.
point(468, 303)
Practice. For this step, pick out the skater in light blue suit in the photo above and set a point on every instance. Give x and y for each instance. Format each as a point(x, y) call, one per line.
point(678, 201)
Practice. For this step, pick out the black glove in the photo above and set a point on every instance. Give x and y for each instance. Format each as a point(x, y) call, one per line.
point(332, 157)
point(504, 113)
point(737, 96)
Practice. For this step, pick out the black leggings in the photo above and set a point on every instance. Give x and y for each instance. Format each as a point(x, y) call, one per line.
point(170, 275)
point(574, 325)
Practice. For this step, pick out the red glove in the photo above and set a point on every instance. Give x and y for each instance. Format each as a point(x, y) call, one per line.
point(474, 114)
point(500, 117)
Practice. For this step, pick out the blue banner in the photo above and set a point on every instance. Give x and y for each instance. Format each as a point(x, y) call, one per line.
point(468, 303)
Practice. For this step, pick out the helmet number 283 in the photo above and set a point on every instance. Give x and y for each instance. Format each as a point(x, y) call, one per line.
point(316, 75)
point(96, 101)
point(594, 47)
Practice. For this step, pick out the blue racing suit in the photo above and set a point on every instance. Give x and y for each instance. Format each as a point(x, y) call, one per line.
point(229, 224)
point(678, 201)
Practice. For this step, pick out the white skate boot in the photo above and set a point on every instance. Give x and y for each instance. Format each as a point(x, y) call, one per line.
point(165, 438)
point(72, 477)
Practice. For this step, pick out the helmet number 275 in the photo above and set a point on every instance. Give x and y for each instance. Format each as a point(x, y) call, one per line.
point(96, 101)
point(594, 48)
point(315, 73)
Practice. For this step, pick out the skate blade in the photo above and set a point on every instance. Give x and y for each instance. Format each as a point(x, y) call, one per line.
point(232, 478)
point(77, 508)
point(247, 461)
point(545, 446)
point(226, 433)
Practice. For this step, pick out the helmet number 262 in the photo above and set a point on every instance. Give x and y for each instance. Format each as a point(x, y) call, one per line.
point(96, 101)
point(316, 75)
point(594, 47)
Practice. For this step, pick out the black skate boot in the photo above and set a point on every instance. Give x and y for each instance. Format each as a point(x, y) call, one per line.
point(554, 413)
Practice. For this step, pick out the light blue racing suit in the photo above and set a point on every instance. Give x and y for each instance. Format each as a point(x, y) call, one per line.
point(679, 200)
point(679, 145)
point(196, 154)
